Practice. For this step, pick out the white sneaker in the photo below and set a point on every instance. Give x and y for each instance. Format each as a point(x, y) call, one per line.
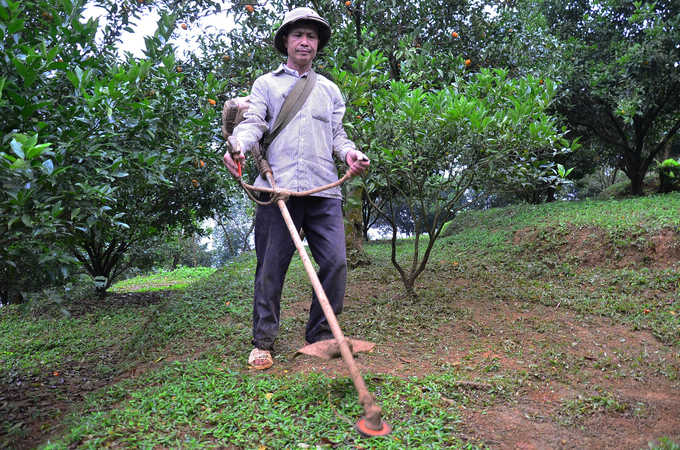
point(260, 359)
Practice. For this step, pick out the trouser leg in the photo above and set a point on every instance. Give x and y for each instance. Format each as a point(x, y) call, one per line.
point(325, 232)
point(274, 248)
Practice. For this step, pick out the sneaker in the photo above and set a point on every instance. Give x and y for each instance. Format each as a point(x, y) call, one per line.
point(260, 359)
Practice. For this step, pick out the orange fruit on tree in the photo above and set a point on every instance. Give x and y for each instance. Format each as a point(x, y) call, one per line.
point(226, 58)
point(212, 102)
point(195, 183)
point(454, 34)
point(179, 69)
point(184, 26)
point(468, 62)
point(348, 3)
point(250, 9)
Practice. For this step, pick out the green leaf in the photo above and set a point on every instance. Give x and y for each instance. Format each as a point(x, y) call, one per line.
point(74, 79)
point(17, 148)
point(15, 26)
point(26, 220)
point(144, 68)
point(68, 7)
point(132, 73)
point(21, 68)
point(48, 166)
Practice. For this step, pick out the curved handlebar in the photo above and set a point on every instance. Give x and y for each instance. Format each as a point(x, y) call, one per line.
point(277, 193)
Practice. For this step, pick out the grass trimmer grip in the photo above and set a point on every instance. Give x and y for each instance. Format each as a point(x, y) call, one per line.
point(262, 164)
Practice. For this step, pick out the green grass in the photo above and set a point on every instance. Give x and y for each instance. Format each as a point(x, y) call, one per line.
point(47, 344)
point(194, 340)
point(628, 216)
point(162, 280)
point(202, 404)
point(664, 444)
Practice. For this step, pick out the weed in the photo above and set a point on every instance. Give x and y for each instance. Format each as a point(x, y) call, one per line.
point(663, 443)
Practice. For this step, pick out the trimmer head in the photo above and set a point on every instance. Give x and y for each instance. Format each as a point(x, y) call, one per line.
point(330, 349)
point(361, 427)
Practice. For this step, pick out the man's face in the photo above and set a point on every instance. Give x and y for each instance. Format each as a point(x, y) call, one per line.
point(302, 42)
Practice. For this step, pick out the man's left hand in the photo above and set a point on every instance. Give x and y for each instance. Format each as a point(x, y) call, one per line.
point(357, 162)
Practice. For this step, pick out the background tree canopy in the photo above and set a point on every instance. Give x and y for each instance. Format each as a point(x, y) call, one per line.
point(105, 156)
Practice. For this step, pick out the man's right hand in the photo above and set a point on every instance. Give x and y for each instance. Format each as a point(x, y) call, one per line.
point(234, 156)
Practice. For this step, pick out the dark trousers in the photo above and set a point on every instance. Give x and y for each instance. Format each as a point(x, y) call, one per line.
point(321, 220)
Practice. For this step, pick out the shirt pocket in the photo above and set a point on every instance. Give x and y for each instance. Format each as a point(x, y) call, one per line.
point(321, 106)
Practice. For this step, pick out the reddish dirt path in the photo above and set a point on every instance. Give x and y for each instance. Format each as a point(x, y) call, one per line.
point(626, 400)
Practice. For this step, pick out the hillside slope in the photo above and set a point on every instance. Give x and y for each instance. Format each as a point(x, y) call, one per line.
point(535, 327)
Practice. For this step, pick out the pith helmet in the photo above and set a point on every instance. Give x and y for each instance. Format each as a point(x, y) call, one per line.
point(297, 15)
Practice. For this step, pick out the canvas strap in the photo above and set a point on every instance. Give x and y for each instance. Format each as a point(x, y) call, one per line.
point(292, 104)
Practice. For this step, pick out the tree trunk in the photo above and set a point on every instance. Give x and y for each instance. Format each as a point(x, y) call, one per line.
point(551, 195)
point(356, 256)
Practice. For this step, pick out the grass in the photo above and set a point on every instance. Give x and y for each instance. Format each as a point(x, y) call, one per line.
point(163, 280)
point(201, 404)
point(183, 336)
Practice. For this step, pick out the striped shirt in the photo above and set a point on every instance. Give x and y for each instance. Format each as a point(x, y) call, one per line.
point(301, 156)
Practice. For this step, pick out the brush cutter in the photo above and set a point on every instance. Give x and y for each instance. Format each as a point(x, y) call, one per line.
point(371, 424)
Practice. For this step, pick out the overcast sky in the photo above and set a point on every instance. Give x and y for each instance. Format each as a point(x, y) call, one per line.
point(146, 26)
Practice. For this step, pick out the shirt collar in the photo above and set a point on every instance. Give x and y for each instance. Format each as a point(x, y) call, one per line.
point(289, 71)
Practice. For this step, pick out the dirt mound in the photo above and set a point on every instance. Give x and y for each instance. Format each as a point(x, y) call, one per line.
point(594, 247)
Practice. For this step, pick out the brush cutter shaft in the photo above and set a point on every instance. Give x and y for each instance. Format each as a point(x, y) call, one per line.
point(372, 410)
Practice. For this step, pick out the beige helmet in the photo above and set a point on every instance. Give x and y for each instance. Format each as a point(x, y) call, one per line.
point(297, 15)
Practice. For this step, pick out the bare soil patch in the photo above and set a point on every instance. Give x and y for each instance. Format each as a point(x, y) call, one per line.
point(537, 377)
point(593, 247)
point(40, 402)
point(626, 381)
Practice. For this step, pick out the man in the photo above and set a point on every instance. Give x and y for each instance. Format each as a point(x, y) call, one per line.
point(301, 158)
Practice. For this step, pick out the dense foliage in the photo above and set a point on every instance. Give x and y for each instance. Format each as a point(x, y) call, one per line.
point(623, 84)
point(99, 154)
point(107, 158)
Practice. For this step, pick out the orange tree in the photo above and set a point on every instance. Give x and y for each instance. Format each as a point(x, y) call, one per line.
point(430, 148)
point(101, 153)
point(623, 83)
